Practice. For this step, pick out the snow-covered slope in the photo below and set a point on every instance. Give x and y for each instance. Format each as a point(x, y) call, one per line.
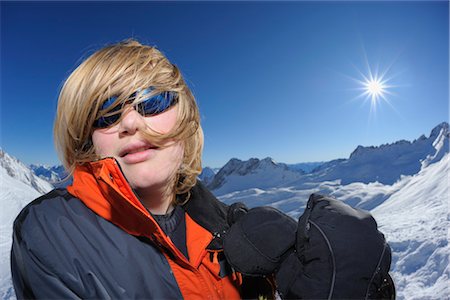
point(440, 143)
point(253, 173)
point(413, 213)
point(415, 220)
point(18, 186)
point(16, 169)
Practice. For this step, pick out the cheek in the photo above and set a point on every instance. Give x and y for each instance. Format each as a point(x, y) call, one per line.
point(174, 154)
point(164, 122)
point(174, 157)
point(179, 152)
point(103, 144)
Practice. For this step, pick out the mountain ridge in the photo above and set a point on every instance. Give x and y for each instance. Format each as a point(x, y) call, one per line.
point(385, 164)
point(251, 173)
point(18, 170)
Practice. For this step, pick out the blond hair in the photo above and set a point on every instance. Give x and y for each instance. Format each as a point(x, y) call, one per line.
point(120, 70)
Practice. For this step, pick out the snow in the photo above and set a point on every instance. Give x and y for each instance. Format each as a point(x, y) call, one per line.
point(239, 175)
point(16, 169)
point(440, 144)
point(415, 221)
point(14, 195)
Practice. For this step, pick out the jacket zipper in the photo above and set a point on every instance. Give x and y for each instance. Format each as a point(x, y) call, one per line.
point(174, 249)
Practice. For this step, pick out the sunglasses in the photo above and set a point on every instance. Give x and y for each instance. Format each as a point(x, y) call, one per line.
point(151, 106)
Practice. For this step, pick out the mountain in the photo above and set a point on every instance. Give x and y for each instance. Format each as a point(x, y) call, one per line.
point(307, 167)
point(384, 164)
point(17, 170)
point(253, 173)
point(18, 186)
point(49, 173)
point(207, 175)
point(388, 162)
point(56, 175)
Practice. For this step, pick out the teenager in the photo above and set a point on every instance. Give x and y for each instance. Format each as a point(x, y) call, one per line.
point(136, 223)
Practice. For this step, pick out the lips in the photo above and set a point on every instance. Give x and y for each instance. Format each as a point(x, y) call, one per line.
point(136, 152)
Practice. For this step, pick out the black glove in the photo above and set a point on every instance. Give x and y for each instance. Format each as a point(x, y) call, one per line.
point(340, 254)
point(258, 239)
point(334, 252)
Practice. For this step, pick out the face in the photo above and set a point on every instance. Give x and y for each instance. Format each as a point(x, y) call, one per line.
point(147, 168)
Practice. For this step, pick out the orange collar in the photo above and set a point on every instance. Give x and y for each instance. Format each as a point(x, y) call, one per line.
point(102, 187)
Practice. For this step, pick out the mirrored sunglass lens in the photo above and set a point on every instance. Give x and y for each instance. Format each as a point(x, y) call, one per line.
point(108, 102)
point(111, 117)
point(104, 122)
point(156, 104)
point(151, 106)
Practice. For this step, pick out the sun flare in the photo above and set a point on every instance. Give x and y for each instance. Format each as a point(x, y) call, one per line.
point(375, 87)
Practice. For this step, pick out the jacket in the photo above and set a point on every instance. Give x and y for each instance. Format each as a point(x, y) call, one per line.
point(96, 240)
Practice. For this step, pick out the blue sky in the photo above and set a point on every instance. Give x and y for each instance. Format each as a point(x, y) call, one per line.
point(271, 79)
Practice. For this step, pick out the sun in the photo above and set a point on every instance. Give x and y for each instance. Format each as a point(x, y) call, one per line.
point(375, 88)
point(376, 84)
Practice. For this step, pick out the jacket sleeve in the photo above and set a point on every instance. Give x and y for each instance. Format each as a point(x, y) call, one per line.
point(42, 266)
point(32, 278)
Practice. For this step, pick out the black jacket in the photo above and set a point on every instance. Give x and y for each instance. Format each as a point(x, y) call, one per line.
point(62, 249)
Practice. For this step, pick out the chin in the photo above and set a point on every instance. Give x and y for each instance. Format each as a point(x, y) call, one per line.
point(158, 172)
point(147, 177)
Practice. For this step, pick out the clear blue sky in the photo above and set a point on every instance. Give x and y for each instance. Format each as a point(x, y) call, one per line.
point(271, 79)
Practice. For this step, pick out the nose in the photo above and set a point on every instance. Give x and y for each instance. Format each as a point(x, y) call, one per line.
point(131, 121)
